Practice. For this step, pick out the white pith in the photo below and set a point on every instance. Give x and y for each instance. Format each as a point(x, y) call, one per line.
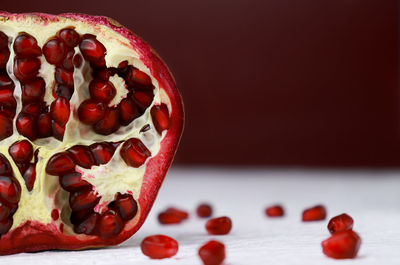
point(108, 179)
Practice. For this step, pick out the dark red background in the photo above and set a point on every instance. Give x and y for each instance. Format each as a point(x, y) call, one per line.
point(288, 82)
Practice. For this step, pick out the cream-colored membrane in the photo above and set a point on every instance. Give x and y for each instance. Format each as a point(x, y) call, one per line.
point(107, 179)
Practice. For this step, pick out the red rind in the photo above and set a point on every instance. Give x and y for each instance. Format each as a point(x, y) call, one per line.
point(34, 236)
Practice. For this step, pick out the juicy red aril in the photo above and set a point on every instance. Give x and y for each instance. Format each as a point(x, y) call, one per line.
point(219, 226)
point(126, 206)
point(340, 223)
point(4, 56)
point(78, 217)
point(59, 164)
point(33, 90)
point(136, 77)
point(109, 124)
point(60, 111)
point(82, 156)
point(160, 116)
point(10, 190)
point(6, 126)
point(26, 46)
point(342, 245)
point(55, 214)
point(55, 51)
point(159, 247)
point(110, 224)
point(26, 125)
point(58, 130)
point(6, 82)
point(91, 112)
point(30, 176)
point(315, 213)
point(204, 210)
point(26, 69)
point(212, 253)
point(5, 167)
point(7, 98)
point(73, 182)
point(3, 40)
point(44, 125)
point(275, 211)
point(92, 50)
point(103, 91)
point(128, 111)
point(102, 152)
point(183, 215)
point(34, 109)
point(143, 99)
point(4, 211)
point(88, 225)
point(134, 152)
point(64, 77)
point(77, 61)
point(21, 152)
point(70, 37)
point(106, 73)
point(166, 218)
point(5, 226)
point(82, 200)
point(67, 63)
point(64, 91)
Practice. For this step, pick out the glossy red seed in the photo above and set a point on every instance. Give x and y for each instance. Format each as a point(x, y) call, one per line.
point(102, 152)
point(315, 213)
point(73, 182)
point(33, 91)
point(181, 214)
point(88, 225)
point(219, 226)
point(4, 56)
point(55, 214)
point(34, 109)
point(340, 223)
point(55, 51)
point(275, 211)
point(64, 91)
point(70, 37)
point(7, 98)
point(134, 152)
point(26, 125)
point(30, 176)
point(4, 211)
point(82, 156)
point(212, 253)
point(5, 226)
point(204, 210)
point(77, 60)
point(128, 111)
point(91, 111)
point(92, 50)
point(109, 124)
point(78, 217)
point(168, 218)
point(160, 116)
point(6, 82)
point(126, 206)
point(21, 152)
point(136, 77)
point(26, 46)
point(3, 40)
point(10, 190)
point(26, 69)
point(110, 224)
point(6, 126)
point(82, 200)
point(60, 111)
point(106, 73)
point(64, 77)
point(5, 167)
point(342, 245)
point(143, 99)
point(60, 164)
point(67, 63)
point(159, 247)
point(58, 130)
point(44, 125)
point(103, 91)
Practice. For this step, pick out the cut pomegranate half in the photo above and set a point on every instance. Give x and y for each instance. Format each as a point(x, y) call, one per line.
point(90, 119)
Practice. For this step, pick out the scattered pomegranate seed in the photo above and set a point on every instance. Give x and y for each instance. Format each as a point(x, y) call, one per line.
point(342, 245)
point(315, 213)
point(212, 253)
point(166, 218)
point(204, 210)
point(159, 247)
point(340, 223)
point(219, 226)
point(274, 211)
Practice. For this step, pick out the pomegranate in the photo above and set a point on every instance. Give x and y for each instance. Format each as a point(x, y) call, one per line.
point(275, 211)
point(90, 119)
point(212, 253)
point(172, 215)
point(159, 247)
point(340, 223)
point(316, 213)
point(204, 210)
point(219, 226)
point(342, 245)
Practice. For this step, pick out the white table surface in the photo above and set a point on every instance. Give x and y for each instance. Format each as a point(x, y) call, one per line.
point(372, 198)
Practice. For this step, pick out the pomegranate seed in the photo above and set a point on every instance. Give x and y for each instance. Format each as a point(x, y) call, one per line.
point(82, 200)
point(160, 116)
point(64, 91)
point(70, 37)
point(6, 82)
point(168, 218)
point(136, 77)
point(342, 245)
point(74, 182)
point(128, 111)
point(78, 217)
point(67, 63)
point(275, 211)
point(26, 125)
point(5, 226)
point(126, 206)
point(212, 253)
point(64, 77)
point(55, 51)
point(60, 164)
point(58, 130)
point(6, 126)
point(88, 225)
point(110, 224)
point(3, 40)
point(103, 91)
point(10, 190)
point(102, 152)
point(26, 46)
point(91, 111)
point(30, 176)
point(44, 125)
point(159, 247)
point(55, 214)
point(7, 98)
point(143, 99)
point(109, 124)
point(4, 56)
point(106, 73)
point(33, 109)
point(60, 110)
point(21, 152)
point(134, 152)
point(219, 226)
point(77, 60)
point(26, 69)
point(204, 210)
point(183, 215)
point(4, 211)
point(5, 167)
point(92, 50)
point(340, 223)
point(82, 156)
point(33, 90)
point(315, 213)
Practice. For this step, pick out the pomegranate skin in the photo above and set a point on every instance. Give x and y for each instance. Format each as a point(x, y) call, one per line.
point(33, 235)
